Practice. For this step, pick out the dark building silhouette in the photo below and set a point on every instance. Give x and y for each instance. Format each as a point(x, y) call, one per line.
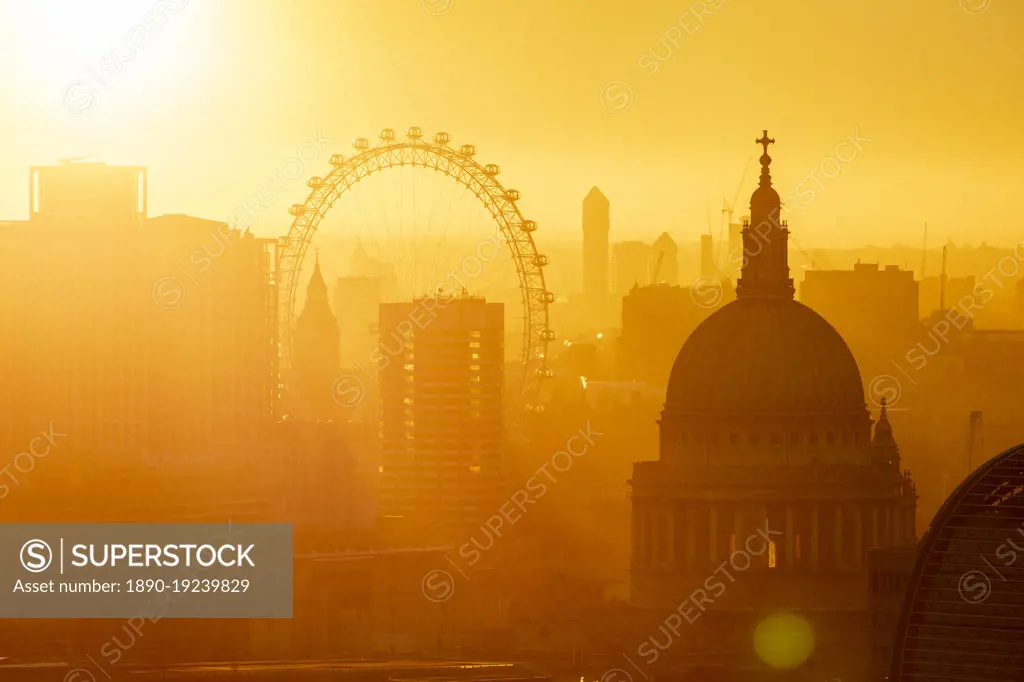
point(441, 372)
point(963, 612)
point(316, 362)
point(768, 467)
point(596, 225)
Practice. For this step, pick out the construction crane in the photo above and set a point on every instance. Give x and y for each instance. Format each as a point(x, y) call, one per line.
point(729, 208)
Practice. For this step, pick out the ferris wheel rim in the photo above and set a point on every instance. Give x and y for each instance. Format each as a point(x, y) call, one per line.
point(481, 180)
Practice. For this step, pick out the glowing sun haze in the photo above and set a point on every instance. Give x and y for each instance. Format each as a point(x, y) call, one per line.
point(214, 96)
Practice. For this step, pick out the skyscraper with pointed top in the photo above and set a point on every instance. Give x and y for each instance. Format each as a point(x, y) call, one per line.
point(769, 467)
point(317, 354)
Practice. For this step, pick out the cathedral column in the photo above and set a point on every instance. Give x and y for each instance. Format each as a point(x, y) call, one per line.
point(737, 528)
point(887, 526)
point(790, 538)
point(814, 536)
point(671, 530)
point(713, 524)
point(838, 553)
point(691, 534)
point(874, 526)
point(858, 538)
point(642, 513)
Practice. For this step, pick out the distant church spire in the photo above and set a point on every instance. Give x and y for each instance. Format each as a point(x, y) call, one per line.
point(765, 271)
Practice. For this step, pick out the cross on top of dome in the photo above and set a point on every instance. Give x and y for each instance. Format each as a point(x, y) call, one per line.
point(764, 142)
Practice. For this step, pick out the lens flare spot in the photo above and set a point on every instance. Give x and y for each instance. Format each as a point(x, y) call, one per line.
point(784, 640)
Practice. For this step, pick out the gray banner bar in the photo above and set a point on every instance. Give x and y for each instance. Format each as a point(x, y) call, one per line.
point(141, 570)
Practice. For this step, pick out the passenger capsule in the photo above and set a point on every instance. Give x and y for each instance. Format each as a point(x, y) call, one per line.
point(442, 138)
point(467, 150)
point(361, 143)
point(337, 159)
point(414, 132)
point(387, 135)
point(492, 169)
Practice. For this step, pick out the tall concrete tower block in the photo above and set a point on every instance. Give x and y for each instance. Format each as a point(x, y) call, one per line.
point(596, 225)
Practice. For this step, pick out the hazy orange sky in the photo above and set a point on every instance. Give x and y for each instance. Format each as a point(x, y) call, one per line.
point(223, 91)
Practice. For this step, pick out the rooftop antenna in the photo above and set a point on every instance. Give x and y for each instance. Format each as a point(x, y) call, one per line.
point(942, 282)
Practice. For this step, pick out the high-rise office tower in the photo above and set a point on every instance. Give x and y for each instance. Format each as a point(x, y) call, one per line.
point(441, 373)
point(596, 225)
point(707, 256)
point(631, 266)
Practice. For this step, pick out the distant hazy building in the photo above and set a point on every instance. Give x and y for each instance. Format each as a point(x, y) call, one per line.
point(596, 226)
point(213, 370)
point(656, 320)
point(357, 303)
point(665, 258)
point(935, 296)
point(315, 365)
point(631, 266)
point(874, 309)
point(441, 372)
point(886, 296)
point(147, 338)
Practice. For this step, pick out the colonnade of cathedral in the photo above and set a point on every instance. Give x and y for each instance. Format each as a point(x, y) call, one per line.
point(813, 534)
